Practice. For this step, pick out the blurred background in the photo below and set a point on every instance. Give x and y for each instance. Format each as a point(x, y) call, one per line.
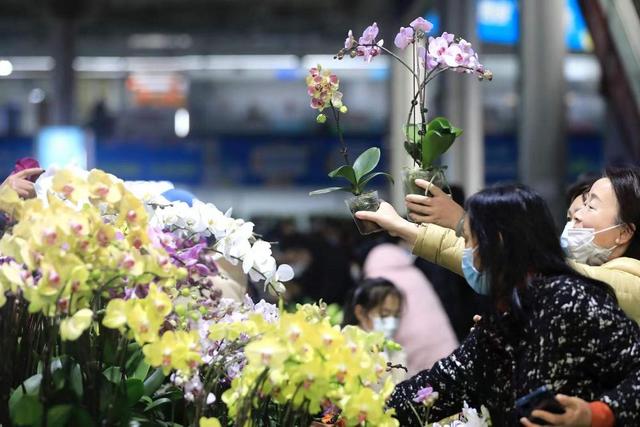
point(210, 95)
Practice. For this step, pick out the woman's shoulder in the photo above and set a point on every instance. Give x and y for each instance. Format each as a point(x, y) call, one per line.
point(626, 264)
point(573, 289)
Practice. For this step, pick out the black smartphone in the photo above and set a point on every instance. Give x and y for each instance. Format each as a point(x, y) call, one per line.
point(541, 398)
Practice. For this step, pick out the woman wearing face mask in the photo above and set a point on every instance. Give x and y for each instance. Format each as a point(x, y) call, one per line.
point(375, 306)
point(548, 326)
point(602, 243)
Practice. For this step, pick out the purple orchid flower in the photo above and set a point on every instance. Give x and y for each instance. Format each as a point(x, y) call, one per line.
point(423, 394)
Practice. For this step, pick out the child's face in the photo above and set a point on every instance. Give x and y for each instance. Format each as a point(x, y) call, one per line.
point(390, 307)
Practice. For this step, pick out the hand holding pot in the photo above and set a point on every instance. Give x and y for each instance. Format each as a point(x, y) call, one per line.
point(387, 218)
point(439, 208)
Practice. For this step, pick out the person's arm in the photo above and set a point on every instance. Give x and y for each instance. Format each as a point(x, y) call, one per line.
point(625, 284)
point(429, 241)
point(439, 245)
point(619, 352)
point(454, 378)
point(610, 342)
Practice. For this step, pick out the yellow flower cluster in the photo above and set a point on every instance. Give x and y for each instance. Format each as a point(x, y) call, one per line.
point(178, 351)
point(301, 359)
point(142, 318)
point(87, 237)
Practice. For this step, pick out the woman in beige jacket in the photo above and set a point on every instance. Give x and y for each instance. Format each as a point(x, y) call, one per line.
point(612, 209)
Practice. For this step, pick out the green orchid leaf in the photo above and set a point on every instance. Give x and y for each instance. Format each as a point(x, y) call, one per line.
point(414, 150)
point(329, 190)
point(59, 415)
point(113, 374)
point(27, 411)
point(135, 390)
point(156, 403)
point(345, 171)
point(369, 177)
point(154, 382)
point(433, 145)
point(411, 132)
point(439, 124)
point(81, 417)
point(76, 380)
point(366, 162)
point(31, 386)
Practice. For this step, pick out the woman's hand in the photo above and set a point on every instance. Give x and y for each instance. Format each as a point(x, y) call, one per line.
point(387, 218)
point(20, 182)
point(577, 413)
point(438, 209)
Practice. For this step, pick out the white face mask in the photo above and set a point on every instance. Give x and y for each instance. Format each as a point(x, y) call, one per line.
point(387, 325)
point(578, 244)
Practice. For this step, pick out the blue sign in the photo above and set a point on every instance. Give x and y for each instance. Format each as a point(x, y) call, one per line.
point(285, 161)
point(61, 146)
point(497, 21)
point(577, 36)
point(181, 162)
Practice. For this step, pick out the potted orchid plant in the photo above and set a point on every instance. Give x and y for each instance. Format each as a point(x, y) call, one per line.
point(425, 141)
point(322, 86)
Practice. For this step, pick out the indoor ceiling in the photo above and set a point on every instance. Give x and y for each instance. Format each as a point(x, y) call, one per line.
point(152, 27)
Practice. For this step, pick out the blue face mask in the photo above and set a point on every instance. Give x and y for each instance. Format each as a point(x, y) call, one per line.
point(478, 281)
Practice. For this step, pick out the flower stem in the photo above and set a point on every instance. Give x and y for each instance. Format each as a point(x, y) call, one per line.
point(344, 150)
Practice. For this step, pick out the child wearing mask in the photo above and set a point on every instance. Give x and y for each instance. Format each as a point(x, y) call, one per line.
point(375, 306)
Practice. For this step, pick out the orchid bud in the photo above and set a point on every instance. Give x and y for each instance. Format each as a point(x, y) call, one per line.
point(321, 118)
point(344, 109)
point(353, 54)
point(181, 310)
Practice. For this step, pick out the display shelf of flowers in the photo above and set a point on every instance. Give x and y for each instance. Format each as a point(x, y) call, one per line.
point(425, 141)
point(109, 316)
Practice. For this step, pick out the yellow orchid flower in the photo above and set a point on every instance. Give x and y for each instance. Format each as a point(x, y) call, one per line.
point(159, 301)
point(143, 323)
point(11, 276)
point(10, 201)
point(161, 352)
point(115, 316)
point(103, 188)
point(70, 186)
point(72, 327)
point(132, 212)
point(268, 352)
point(179, 350)
point(209, 422)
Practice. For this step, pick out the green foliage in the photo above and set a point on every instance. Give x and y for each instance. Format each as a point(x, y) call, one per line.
point(357, 175)
point(425, 147)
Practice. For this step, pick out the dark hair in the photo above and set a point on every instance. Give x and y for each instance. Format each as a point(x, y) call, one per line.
point(370, 293)
point(581, 186)
point(626, 184)
point(516, 237)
